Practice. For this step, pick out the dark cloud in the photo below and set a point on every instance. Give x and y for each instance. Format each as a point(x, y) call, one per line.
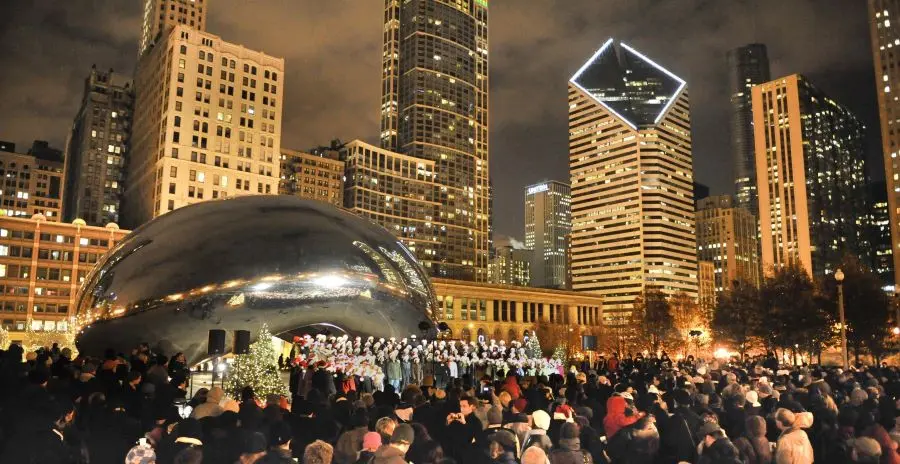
point(332, 51)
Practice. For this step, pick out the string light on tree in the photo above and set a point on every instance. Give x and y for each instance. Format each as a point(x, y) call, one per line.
point(257, 369)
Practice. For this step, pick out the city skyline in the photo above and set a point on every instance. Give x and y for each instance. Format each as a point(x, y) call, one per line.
point(526, 132)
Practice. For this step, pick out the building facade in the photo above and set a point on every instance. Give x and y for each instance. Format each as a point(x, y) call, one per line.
point(312, 176)
point(32, 182)
point(207, 124)
point(548, 220)
point(159, 16)
point(434, 107)
point(747, 66)
point(727, 238)
point(510, 266)
point(632, 180)
point(885, 33)
point(877, 223)
point(97, 149)
point(42, 266)
point(706, 282)
point(504, 312)
point(399, 193)
point(811, 150)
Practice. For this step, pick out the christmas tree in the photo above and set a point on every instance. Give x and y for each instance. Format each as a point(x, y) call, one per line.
point(533, 347)
point(257, 369)
point(559, 353)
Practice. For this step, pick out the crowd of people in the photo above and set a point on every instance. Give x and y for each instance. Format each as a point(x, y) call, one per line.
point(135, 408)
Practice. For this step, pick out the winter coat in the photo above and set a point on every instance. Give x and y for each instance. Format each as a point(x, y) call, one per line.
point(570, 452)
point(888, 452)
point(512, 387)
point(722, 451)
point(539, 438)
point(348, 445)
point(615, 416)
point(393, 370)
point(388, 454)
point(678, 442)
point(753, 446)
point(39, 447)
point(365, 457)
point(793, 448)
point(634, 446)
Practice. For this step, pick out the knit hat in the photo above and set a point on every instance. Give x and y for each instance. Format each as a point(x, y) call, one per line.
point(765, 390)
point(280, 433)
point(505, 439)
point(253, 442)
point(752, 398)
point(403, 433)
point(371, 440)
point(708, 428)
point(563, 412)
point(495, 415)
point(541, 419)
point(866, 447)
point(568, 431)
point(141, 455)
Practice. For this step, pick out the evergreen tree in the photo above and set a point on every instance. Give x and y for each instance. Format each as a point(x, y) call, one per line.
point(560, 352)
point(257, 369)
point(533, 347)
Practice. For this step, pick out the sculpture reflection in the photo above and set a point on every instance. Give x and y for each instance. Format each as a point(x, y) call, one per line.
point(233, 264)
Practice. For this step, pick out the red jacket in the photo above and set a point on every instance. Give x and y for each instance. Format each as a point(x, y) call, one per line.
point(615, 416)
point(512, 387)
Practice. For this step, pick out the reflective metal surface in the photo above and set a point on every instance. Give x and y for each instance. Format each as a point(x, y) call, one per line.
point(294, 264)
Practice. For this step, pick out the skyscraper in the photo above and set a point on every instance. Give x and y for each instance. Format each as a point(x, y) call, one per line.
point(632, 180)
point(97, 149)
point(310, 175)
point(548, 219)
point(159, 16)
point(706, 281)
point(884, 24)
point(877, 223)
point(747, 66)
point(811, 150)
point(511, 266)
point(207, 124)
point(434, 107)
point(727, 238)
point(32, 183)
point(396, 191)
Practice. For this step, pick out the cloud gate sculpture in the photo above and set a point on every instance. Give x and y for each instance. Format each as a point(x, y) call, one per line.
point(297, 265)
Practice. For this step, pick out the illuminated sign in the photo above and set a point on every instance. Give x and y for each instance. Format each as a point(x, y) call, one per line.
point(538, 189)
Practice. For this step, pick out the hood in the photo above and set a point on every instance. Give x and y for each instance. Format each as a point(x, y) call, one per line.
point(570, 444)
point(756, 426)
point(615, 406)
point(387, 452)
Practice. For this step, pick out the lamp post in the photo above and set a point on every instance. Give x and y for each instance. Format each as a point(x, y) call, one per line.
point(839, 278)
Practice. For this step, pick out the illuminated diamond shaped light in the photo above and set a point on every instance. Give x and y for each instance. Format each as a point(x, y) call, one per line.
point(628, 84)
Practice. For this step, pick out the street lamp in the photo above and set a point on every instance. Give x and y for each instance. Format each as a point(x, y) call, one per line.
point(839, 278)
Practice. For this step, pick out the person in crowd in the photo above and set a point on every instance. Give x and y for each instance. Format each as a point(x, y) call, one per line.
point(318, 452)
point(371, 443)
point(631, 408)
point(395, 451)
point(793, 445)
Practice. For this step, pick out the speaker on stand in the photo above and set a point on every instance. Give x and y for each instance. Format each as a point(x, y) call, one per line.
point(215, 347)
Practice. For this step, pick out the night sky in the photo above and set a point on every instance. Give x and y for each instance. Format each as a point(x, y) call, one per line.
point(332, 50)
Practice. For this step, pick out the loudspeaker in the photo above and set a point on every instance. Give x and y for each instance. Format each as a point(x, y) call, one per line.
point(588, 342)
point(216, 345)
point(241, 341)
